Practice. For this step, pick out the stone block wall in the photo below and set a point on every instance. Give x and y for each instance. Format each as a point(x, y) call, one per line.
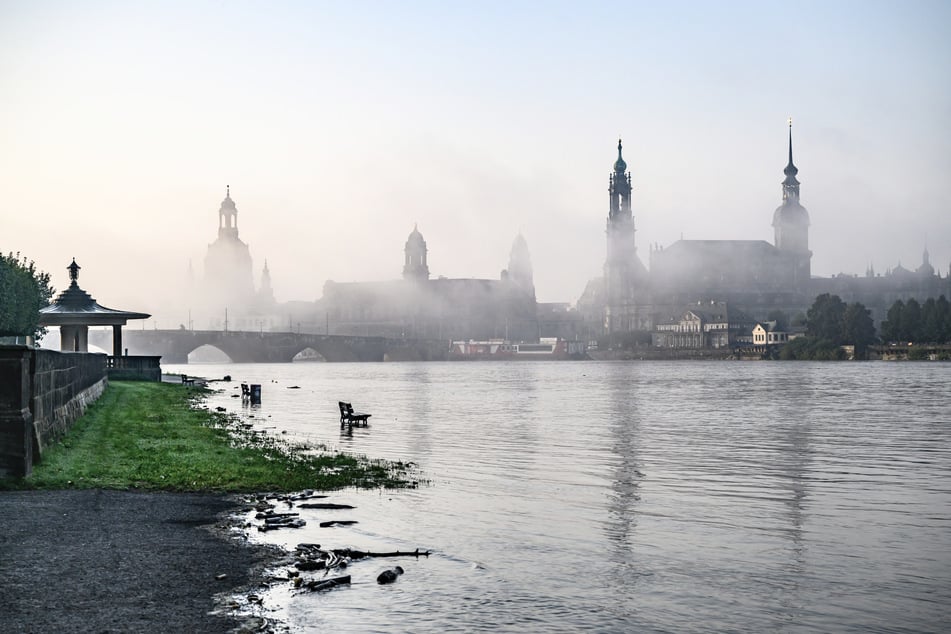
point(42, 393)
point(16, 419)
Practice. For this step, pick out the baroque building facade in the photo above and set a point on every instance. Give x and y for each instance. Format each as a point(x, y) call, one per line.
point(753, 277)
point(419, 307)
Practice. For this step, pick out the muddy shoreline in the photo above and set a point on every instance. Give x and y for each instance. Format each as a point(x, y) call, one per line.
point(125, 561)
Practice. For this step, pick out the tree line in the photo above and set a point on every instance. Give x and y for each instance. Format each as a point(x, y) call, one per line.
point(914, 322)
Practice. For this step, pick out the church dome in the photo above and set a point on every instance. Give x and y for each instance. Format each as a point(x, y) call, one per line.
point(415, 238)
point(619, 164)
point(791, 213)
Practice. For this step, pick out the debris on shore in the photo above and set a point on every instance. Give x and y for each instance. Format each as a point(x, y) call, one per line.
point(390, 575)
point(312, 558)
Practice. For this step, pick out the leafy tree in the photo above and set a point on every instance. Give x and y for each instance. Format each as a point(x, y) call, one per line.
point(919, 323)
point(23, 292)
point(910, 329)
point(930, 330)
point(943, 308)
point(830, 324)
point(891, 327)
point(824, 318)
point(858, 329)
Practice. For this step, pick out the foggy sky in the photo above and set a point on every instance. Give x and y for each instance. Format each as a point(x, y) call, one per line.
point(339, 125)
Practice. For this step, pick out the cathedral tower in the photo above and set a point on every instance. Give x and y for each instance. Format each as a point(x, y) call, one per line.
point(228, 277)
point(520, 265)
point(791, 223)
point(624, 274)
point(415, 267)
point(266, 291)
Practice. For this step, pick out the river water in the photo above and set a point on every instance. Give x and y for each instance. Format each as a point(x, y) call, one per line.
point(629, 496)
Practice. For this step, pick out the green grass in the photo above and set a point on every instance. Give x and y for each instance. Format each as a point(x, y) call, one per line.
point(159, 436)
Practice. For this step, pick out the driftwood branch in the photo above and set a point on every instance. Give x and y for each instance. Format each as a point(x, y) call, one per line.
point(360, 554)
point(326, 584)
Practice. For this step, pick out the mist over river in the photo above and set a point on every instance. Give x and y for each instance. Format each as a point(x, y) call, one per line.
point(628, 496)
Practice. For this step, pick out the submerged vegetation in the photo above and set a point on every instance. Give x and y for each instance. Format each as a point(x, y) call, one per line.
point(159, 436)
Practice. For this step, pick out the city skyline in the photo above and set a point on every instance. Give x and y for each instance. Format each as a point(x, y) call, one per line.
point(340, 127)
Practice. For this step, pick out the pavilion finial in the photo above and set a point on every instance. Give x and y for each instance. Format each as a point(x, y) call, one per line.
point(227, 191)
point(73, 270)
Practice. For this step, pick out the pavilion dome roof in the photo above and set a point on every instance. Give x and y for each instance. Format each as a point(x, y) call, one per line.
point(76, 306)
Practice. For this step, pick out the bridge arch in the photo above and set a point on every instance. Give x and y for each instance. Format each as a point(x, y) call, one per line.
point(308, 354)
point(208, 353)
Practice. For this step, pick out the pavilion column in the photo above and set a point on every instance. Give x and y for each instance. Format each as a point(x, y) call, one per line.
point(74, 338)
point(67, 338)
point(117, 340)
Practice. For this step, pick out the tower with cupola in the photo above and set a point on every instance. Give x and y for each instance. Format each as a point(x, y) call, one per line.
point(229, 282)
point(791, 224)
point(625, 277)
point(415, 266)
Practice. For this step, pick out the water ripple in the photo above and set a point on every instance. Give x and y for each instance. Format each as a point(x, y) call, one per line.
point(650, 497)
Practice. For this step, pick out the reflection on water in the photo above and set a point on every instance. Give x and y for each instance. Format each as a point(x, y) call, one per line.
point(626, 497)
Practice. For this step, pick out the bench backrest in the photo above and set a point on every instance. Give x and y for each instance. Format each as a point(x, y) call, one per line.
point(345, 408)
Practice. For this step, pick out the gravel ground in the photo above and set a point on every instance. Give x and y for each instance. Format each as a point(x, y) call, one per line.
point(118, 561)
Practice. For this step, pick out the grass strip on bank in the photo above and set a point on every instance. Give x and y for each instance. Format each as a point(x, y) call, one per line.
point(159, 436)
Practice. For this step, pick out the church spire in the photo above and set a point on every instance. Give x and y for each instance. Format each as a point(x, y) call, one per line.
point(790, 183)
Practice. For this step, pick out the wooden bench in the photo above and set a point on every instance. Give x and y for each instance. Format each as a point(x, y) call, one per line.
point(187, 381)
point(350, 417)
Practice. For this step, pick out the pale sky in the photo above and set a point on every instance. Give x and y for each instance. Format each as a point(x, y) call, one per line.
point(339, 125)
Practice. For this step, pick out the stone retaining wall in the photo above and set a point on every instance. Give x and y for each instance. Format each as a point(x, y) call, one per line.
point(42, 393)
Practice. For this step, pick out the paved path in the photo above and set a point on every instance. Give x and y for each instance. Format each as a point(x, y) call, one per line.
point(116, 561)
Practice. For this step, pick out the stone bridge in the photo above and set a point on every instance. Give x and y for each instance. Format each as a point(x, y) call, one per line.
point(279, 347)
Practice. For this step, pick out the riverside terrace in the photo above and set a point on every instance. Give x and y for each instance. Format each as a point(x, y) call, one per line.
point(276, 347)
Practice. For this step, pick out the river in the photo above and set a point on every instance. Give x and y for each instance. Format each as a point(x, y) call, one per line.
point(629, 496)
